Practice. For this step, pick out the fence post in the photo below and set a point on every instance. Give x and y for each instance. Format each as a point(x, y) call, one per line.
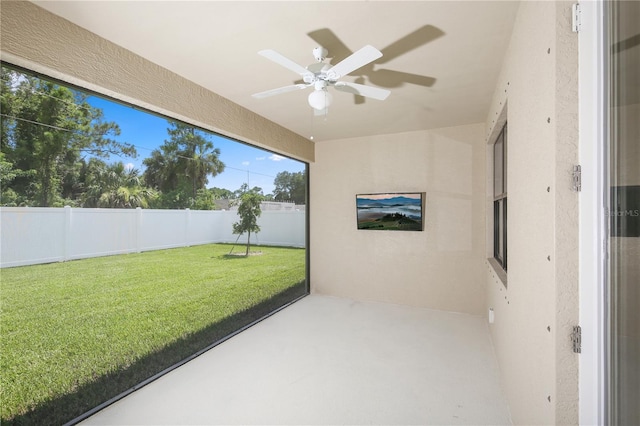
point(138, 229)
point(67, 234)
point(187, 219)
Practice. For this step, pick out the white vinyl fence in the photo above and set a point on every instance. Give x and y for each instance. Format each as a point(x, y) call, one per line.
point(32, 235)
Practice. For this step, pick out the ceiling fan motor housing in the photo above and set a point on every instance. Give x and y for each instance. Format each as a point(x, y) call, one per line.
point(320, 53)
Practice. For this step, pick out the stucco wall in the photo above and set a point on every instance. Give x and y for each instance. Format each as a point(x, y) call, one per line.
point(439, 268)
point(535, 312)
point(36, 39)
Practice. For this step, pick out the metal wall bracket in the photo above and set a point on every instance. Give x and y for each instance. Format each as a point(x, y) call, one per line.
point(575, 18)
point(576, 177)
point(576, 339)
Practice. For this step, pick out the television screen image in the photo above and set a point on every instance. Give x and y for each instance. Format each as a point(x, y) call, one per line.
point(396, 211)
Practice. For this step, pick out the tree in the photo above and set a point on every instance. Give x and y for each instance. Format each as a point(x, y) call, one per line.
point(46, 129)
point(8, 81)
point(160, 172)
point(205, 200)
point(8, 196)
point(116, 186)
point(249, 211)
point(182, 165)
point(290, 187)
point(221, 193)
point(245, 188)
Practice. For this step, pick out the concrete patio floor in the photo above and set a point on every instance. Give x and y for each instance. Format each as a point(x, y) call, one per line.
point(326, 360)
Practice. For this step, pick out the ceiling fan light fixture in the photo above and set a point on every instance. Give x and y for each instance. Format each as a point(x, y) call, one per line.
point(320, 99)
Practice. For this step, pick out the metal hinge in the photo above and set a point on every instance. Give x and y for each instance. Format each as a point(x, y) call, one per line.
point(576, 20)
point(576, 339)
point(577, 178)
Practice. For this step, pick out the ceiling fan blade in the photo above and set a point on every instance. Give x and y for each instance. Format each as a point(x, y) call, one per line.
point(362, 90)
point(284, 61)
point(358, 59)
point(279, 90)
point(357, 99)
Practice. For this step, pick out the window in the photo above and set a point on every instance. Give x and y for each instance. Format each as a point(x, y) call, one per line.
point(500, 198)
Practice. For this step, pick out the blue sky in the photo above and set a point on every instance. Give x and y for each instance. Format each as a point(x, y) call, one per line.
point(147, 132)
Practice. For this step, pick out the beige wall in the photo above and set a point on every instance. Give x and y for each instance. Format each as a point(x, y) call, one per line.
point(36, 39)
point(439, 268)
point(535, 312)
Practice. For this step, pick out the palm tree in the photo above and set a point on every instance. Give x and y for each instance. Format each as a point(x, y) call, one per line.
point(117, 186)
point(198, 156)
point(160, 172)
point(182, 165)
point(125, 197)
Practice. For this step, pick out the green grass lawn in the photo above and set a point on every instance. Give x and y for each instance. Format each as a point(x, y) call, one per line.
point(75, 334)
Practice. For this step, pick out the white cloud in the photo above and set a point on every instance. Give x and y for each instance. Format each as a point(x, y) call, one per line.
point(261, 158)
point(245, 163)
point(15, 80)
point(276, 157)
point(129, 166)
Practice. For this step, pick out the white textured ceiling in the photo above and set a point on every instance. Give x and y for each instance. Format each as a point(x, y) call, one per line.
point(441, 58)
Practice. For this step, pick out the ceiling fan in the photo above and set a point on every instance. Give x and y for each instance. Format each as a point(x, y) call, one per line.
point(321, 76)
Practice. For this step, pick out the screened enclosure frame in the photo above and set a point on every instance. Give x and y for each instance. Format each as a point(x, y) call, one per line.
point(301, 292)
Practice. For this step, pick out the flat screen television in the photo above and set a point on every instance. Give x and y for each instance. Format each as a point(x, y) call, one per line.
point(390, 211)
